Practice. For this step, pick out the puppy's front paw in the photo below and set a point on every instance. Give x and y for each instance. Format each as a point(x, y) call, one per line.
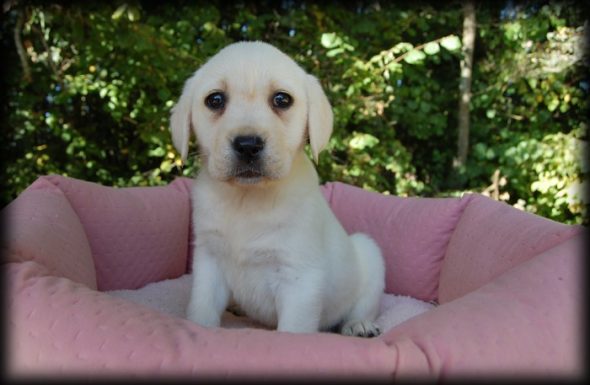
point(357, 328)
point(203, 317)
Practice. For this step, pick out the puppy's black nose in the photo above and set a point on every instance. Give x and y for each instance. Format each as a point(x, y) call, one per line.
point(248, 148)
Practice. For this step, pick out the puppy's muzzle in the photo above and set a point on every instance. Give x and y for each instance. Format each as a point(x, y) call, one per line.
point(248, 151)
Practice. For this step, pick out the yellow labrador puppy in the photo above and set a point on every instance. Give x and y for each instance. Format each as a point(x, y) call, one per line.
point(264, 234)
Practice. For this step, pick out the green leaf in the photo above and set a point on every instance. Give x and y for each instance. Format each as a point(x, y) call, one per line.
point(553, 104)
point(119, 12)
point(360, 141)
point(414, 57)
point(432, 48)
point(330, 40)
point(401, 47)
point(394, 67)
point(133, 14)
point(451, 42)
point(157, 152)
point(334, 52)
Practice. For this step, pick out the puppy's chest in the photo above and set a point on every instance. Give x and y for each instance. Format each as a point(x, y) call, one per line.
point(254, 264)
point(254, 246)
point(251, 246)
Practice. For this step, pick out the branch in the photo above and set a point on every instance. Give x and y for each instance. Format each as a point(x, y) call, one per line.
point(19, 47)
point(397, 59)
point(48, 51)
point(416, 48)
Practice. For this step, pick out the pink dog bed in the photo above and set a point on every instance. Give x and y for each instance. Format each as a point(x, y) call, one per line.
point(508, 284)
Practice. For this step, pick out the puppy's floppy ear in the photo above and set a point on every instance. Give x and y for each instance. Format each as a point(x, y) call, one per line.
point(319, 116)
point(180, 119)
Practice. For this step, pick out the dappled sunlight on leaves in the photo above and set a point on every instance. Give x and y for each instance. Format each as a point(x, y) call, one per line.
point(104, 77)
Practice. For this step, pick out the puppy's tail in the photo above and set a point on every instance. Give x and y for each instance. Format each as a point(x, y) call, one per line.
point(369, 254)
point(370, 261)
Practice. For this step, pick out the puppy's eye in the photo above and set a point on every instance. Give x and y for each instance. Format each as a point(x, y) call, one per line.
point(282, 100)
point(215, 101)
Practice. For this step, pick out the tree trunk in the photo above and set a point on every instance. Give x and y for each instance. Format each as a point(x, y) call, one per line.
point(19, 46)
point(465, 82)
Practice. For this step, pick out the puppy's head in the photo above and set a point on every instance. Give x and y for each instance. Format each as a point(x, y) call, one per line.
point(252, 109)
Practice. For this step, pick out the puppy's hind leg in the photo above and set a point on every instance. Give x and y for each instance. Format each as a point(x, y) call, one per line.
point(360, 321)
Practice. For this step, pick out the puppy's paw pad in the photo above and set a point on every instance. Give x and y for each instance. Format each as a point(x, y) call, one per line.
point(360, 329)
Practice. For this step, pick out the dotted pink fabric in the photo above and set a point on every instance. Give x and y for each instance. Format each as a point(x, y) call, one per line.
point(413, 233)
point(491, 238)
point(42, 226)
point(508, 283)
point(136, 235)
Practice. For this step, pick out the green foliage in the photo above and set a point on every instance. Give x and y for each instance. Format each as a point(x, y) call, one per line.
point(105, 76)
point(530, 121)
point(549, 169)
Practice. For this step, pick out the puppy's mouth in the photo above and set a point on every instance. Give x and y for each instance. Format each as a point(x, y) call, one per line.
point(247, 174)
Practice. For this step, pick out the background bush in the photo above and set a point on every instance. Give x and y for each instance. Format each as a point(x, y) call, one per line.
point(90, 94)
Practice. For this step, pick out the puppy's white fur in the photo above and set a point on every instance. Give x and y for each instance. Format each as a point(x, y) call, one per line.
point(270, 241)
